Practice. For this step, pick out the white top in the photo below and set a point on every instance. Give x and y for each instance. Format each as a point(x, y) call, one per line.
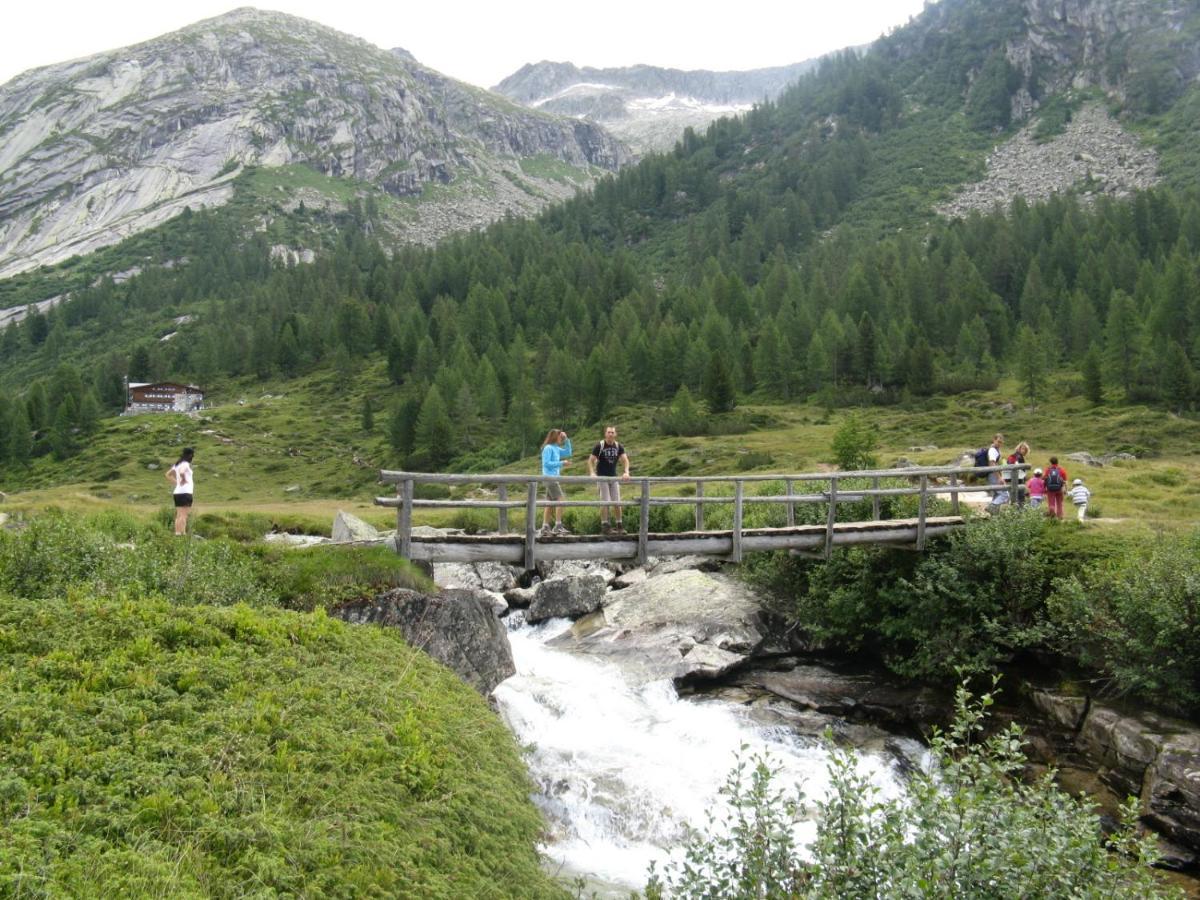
point(993, 455)
point(183, 477)
point(1079, 495)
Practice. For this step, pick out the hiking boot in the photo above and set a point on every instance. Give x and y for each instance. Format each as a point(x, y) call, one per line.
point(605, 528)
point(560, 528)
point(545, 531)
point(618, 529)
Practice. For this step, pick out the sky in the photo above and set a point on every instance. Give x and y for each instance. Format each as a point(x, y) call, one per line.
point(483, 41)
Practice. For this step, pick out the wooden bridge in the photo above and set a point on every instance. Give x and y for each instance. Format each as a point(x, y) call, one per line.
point(933, 488)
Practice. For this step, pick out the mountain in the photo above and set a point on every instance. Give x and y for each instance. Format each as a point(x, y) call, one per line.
point(100, 148)
point(647, 106)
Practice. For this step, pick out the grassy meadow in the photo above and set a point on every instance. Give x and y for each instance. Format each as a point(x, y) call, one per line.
point(290, 454)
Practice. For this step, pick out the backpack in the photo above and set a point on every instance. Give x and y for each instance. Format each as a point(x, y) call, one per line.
point(981, 456)
point(1054, 480)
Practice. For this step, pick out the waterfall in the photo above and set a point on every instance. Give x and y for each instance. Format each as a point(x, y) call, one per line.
point(624, 769)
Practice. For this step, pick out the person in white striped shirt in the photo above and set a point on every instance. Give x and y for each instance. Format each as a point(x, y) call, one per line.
point(1080, 496)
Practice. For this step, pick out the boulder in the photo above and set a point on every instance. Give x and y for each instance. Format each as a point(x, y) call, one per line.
point(575, 568)
point(3, 519)
point(488, 576)
point(566, 598)
point(685, 625)
point(351, 528)
point(458, 628)
point(292, 489)
point(670, 564)
point(1085, 458)
point(629, 579)
point(519, 598)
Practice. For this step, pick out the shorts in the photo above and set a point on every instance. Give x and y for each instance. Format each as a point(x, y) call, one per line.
point(554, 490)
point(611, 491)
point(182, 499)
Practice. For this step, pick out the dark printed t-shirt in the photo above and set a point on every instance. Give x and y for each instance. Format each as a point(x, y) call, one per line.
point(607, 456)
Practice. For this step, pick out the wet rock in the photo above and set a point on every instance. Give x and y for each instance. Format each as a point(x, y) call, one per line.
point(567, 598)
point(347, 527)
point(458, 628)
point(1173, 790)
point(680, 626)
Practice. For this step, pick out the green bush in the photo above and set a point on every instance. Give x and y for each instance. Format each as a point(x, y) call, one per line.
point(150, 750)
point(322, 577)
point(971, 827)
point(1136, 618)
point(969, 602)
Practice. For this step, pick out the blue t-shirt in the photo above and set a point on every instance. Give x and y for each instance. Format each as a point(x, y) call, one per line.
point(553, 455)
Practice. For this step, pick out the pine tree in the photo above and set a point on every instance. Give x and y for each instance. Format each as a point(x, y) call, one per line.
point(1178, 380)
point(1093, 381)
point(402, 426)
point(595, 387)
point(920, 368)
point(434, 441)
point(1032, 362)
point(1122, 340)
point(367, 416)
point(467, 423)
point(717, 389)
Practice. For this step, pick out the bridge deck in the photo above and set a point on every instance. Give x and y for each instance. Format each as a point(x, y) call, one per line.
point(803, 538)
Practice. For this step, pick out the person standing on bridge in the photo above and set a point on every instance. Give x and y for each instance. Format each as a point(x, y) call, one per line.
point(603, 462)
point(556, 455)
point(994, 458)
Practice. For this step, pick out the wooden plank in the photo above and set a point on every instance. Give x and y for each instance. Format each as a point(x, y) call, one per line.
point(502, 519)
point(644, 523)
point(789, 488)
point(831, 519)
point(954, 493)
point(875, 499)
point(736, 551)
point(699, 505)
point(404, 526)
point(530, 524)
point(921, 511)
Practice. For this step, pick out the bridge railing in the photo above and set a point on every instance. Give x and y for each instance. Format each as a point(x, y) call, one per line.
point(922, 483)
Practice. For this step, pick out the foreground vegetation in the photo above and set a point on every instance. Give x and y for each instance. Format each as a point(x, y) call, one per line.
point(967, 827)
point(165, 732)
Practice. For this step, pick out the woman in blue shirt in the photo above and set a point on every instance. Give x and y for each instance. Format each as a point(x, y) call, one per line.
point(556, 455)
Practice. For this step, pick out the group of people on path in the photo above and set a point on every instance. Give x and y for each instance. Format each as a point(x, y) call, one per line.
point(606, 456)
point(1047, 485)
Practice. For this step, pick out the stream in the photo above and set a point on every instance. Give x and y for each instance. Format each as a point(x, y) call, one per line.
point(623, 769)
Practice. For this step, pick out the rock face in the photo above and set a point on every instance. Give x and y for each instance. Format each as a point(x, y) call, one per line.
point(487, 576)
point(96, 149)
point(686, 625)
point(567, 598)
point(646, 106)
point(1152, 757)
point(458, 628)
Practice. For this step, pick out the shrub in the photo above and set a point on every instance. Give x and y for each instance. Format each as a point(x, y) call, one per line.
point(969, 827)
point(854, 444)
point(1137, 620)
point(322, 577)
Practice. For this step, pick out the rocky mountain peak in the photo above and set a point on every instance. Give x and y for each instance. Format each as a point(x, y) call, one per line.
point(95, 149)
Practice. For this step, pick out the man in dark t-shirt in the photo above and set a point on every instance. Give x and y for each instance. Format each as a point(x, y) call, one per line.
point(606, 456)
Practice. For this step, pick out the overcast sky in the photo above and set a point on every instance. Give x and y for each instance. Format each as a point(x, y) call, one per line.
point(482, 41)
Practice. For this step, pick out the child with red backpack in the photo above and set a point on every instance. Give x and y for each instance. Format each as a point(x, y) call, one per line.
point(1056, 482)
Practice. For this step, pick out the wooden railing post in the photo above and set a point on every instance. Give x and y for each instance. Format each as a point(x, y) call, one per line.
point(700, 506)
point(530, 524)
point(922, 504)
point(875, 499)
point(1014, 487)
point(832, 518)
point(644, 524)
point(502, 496)
point(738, 489)
point(404, 519)
point(954, 493)
point(789, 488)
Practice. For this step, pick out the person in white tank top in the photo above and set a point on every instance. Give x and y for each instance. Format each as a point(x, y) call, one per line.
point(183, 494)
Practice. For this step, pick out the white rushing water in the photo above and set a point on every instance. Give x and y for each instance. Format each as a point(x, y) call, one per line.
point(623, 769)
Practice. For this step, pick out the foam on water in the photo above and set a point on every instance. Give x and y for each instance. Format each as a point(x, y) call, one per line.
point(623, 769)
